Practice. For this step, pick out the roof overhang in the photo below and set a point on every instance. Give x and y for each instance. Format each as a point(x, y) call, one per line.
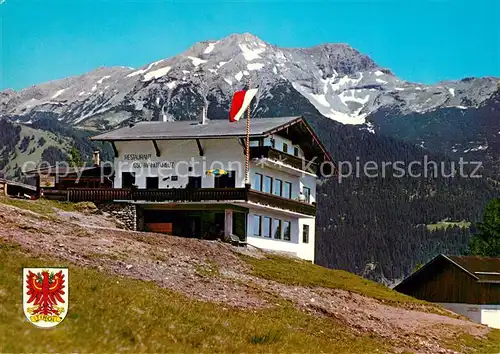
point(426, 266)
point(299, 124)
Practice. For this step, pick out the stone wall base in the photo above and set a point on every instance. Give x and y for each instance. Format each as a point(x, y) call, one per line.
point(124, 212)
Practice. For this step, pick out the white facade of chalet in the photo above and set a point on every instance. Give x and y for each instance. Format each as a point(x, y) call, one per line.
point(485, 314)
point(186, 161)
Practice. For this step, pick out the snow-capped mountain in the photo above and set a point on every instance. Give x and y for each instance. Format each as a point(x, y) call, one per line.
point(341, 83)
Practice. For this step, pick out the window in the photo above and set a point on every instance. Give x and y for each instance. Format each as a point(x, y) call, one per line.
point(286, 228)
point(285, 147)
point(268, 184)
point(277, 186)
point(257, 182)
point(152, 182)
point(128, 179)
point(257, 225)
point(287, 190)
point(267, 227)
point(226, 181)
point(277, 229)
point(305, 233)
point(295, 151)
point(194, 182)
point(307, 194)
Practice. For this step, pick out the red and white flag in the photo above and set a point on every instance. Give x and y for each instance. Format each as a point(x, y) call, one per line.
point(241, 100)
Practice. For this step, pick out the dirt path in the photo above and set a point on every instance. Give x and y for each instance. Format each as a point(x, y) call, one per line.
point(213, 271)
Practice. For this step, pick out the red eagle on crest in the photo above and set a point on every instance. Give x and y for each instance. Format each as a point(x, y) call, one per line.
point(45, 290)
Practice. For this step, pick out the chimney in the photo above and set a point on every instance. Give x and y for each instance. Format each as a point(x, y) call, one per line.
point(96, 158)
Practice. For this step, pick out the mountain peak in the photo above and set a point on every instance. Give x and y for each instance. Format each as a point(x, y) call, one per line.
point(243, 37)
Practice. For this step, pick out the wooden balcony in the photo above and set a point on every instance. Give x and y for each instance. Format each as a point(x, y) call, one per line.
point(275, 201)
point(258, 152)
point(156, 195)
point(189, 195)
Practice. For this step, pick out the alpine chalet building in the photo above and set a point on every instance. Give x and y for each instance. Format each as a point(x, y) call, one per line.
point(189, 179)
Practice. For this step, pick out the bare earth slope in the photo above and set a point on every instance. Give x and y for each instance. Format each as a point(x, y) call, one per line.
point(245, 279)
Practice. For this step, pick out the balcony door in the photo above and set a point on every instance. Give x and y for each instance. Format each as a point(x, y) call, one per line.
point(226, 181)
point(194, 182)
point(128, 179)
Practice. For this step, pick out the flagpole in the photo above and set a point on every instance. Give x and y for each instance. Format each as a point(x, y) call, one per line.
point(247, 142)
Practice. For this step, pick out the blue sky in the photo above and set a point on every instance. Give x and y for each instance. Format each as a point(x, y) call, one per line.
point(422, 41)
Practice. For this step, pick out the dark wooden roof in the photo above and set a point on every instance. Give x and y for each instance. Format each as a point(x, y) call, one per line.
point(17, 184)
point(295, 128)
point(481, 269)
point(485, 269)
point(180, 130)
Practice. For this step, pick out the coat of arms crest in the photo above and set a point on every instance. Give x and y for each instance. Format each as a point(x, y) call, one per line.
point(45, 295)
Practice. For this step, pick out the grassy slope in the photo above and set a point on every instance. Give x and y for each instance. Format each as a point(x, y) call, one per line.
point(297, 272)
point(40, 206)
point(109, 314)
point(139, 316)
point(445, 224)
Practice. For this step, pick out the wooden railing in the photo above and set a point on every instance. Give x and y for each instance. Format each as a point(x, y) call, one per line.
point(189, 195)
point(280, 202)
point(98, 194)
point(55, 194)
point(156, 195)
point(257, 152)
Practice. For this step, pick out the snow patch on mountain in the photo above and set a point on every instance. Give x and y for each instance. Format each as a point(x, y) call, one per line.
point(477, 148)
point(103, 78)
point(157, 73)
point(345, 118)
point(251, 54)
point(172, 84)
point(142, 71)
point(255, 66)
point(58, 93)
point(320, 98)
point(325, 104)
point(210, 48)
point(197, 61)
point(238, 76)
